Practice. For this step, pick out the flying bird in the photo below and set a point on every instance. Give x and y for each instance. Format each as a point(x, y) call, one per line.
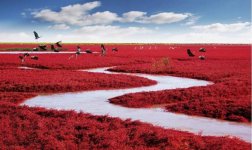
point(42, 47)
point(59, 44)
point(36, 35)
point(53, 48)
point(190, 54)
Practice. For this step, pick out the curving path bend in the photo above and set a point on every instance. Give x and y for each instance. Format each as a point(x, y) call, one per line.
point(96, 103)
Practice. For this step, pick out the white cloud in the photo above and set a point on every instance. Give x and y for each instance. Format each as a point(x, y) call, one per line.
point(108, 29)
point(78, 9)
point(133, 16)
point(108, 33)
point(78, 14)
point(59, 27)
point(219, 27)
point(98, 27)
point(167, 17)
point(23, 34)
point(160, 18)
point(100, 18)
point(72, 14)
point(15, 37)
point(208, 37)
point(192, 20)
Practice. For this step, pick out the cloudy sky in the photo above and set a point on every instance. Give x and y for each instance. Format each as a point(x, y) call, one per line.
point(155, 21)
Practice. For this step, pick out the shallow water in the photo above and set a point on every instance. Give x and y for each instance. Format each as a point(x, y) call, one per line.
point(96, 103)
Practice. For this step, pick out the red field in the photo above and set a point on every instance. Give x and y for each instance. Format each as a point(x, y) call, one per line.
point(228, 98)
point(228, 66)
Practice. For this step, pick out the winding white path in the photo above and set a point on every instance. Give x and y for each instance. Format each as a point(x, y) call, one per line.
point(96, 103)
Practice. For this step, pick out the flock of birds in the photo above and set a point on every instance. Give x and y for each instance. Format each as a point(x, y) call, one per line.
point(57, 47)
point(201, 57)
point(25, 55)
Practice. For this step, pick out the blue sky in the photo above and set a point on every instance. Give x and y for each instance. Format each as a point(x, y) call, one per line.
point(164, 21)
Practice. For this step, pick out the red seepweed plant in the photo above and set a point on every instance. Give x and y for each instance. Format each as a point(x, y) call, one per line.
point(22, 127)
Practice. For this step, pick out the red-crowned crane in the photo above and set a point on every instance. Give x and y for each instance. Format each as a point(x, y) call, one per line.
point(59, 44)
point(202, 50)
point(190, 54)
point(103, 50)
point(78, 52)
point(54, 49)
point(42, 47)
point(36, 35)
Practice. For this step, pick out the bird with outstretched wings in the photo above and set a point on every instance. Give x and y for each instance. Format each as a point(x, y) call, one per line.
point(59, 44)
point(190, 54)
point(42, 47)
point(36, 35)
point(54, 49)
